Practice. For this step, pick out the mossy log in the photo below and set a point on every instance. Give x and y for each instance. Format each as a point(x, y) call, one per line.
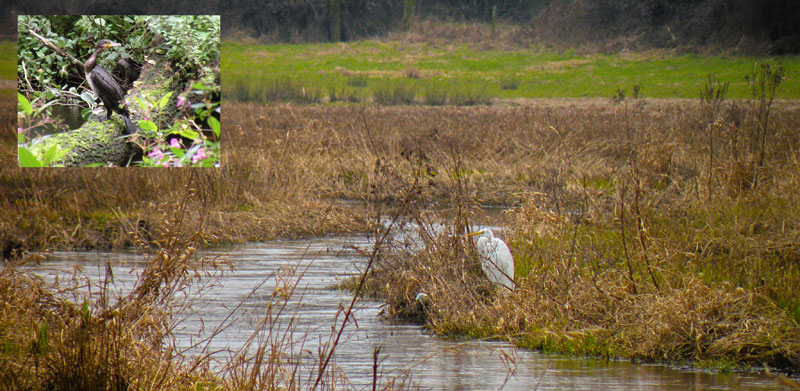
point(95, 142)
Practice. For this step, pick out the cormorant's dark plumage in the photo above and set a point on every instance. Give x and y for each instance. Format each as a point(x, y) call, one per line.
point(105, 87)
point(128, 71)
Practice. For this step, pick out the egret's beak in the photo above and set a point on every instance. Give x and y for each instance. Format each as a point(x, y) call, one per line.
point(475, 233)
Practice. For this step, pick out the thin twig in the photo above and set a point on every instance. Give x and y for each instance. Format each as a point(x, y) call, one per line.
point(46, 42)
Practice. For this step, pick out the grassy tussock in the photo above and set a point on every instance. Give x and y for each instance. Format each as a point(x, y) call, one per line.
point(583, 308)
point(688, 317)
point(623, 246)
point(435, 95)
point(390, 93)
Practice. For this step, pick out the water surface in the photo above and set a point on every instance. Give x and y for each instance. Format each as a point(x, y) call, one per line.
point(407, 352)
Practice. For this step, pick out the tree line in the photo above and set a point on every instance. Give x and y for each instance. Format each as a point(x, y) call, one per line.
point(771, 25)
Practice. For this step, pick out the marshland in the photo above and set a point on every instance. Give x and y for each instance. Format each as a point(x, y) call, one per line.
point(652, 218)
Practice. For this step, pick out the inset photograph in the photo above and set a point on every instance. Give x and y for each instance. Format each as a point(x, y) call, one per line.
point(118, 91)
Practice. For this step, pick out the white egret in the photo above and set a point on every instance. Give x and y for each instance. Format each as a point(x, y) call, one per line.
point(496, 260)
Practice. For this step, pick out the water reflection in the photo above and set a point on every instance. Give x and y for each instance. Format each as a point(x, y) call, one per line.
point(70, 119)
point(406, 351)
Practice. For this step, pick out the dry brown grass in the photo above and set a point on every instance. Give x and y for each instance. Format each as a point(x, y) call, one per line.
point(254, 196)
point(285, 168)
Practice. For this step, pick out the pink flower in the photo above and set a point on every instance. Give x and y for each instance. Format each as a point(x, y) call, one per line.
point(199, 155)
point(182, 102)
point(156, 153)
point(174, 143)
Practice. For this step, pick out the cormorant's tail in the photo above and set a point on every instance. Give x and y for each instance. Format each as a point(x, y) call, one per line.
point(129, 125)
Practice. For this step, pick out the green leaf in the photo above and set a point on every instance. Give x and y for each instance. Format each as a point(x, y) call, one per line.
point(188, 133)
point(88, 97)
point(26, 158)
point(43, 337)
point(49, 155)
point(142, 104)
point(147, 125)
point(24, 104)
point(57, 155)
point(177, 152)
point(163, 101)
point(214, 123)
point(85, 311)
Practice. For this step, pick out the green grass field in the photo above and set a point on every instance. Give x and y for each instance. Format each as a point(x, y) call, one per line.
point(527, 73)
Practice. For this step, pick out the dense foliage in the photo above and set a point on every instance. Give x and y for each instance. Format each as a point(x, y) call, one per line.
point(44, 70)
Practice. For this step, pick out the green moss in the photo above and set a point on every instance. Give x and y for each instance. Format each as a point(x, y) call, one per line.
point(101, 218)
point(601, 183)
point(244, 208)
point(576, 344)
point(84, 145)
point(719, 364)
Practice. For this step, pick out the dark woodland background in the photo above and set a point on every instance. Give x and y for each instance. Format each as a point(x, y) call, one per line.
point(762, 26)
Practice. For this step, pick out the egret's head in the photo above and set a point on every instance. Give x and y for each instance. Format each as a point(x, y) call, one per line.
point(484, 232)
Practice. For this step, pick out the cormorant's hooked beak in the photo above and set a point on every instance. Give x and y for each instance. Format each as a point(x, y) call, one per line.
point(111, 45)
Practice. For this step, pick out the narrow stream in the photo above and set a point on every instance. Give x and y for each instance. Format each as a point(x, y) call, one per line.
point(407, 352)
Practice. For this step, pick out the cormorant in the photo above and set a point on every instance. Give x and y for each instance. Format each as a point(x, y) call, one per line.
point(105, 87)
point(128, 71)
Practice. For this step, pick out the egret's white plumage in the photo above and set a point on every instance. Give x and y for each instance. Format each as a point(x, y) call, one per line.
point(496, 260)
